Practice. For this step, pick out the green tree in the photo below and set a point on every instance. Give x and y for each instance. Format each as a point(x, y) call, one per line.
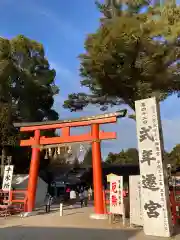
point(174, 156)
point(88, 158)
point(133, 155)
point(131, 56)
point(111, 158)
point(26, 86)
point(27, 82)
point(8, 134)
point(130, 156)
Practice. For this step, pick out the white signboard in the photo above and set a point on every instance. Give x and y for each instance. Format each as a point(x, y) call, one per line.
point(7, 179)
point(136, 215)
point(157, 219)
point(116, 195)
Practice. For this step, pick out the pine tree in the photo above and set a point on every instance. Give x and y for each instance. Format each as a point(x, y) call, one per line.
point(132, 55)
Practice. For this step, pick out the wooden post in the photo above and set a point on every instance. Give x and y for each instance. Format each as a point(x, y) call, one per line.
point(61, 209)
point(33, 172)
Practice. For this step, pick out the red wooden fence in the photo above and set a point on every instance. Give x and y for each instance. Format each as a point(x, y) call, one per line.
point(175, 202)
point(17, 199)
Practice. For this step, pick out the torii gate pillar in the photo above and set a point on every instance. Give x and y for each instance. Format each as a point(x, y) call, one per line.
point(97, 172)
point(33, 172)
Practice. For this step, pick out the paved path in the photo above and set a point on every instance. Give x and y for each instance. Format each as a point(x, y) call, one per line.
point(75, 225)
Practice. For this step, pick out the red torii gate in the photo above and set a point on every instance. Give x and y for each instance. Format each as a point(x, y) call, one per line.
point(95, 137)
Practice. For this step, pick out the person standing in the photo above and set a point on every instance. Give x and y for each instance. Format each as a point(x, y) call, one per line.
point(85, 193)
point(67, 196)
point(90, 193)
point(48, 202)
point(81, 197)
point(72, 197)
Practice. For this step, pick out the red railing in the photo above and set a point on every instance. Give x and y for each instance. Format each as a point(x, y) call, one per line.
point(175, 202)
point(17, 199)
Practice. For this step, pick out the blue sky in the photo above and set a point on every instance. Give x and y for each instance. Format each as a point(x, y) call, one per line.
point(62, 27)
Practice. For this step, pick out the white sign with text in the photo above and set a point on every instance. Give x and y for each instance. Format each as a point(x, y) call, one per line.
point(136, 216)
point(116, 195)
point(157, 219)
point(7, 179)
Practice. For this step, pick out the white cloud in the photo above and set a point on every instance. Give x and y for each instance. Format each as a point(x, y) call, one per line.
point(58, 101)
point(63, 26)
point(65, 77)
point(35, 9)
point(60, 69)
point(66, 28)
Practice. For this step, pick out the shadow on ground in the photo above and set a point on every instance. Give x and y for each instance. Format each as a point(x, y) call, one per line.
point(39, 233)
point(41, 211)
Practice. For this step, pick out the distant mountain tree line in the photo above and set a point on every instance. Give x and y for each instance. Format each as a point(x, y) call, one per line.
point(130, 156)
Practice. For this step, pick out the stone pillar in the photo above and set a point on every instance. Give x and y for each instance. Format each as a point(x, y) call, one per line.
point(157, 219)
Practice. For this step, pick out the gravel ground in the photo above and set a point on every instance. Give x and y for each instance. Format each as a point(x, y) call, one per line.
point(75, 224)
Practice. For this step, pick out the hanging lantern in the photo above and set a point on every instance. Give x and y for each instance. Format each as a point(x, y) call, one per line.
point(81, 148)
point(46, 155)
point(50, 152)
